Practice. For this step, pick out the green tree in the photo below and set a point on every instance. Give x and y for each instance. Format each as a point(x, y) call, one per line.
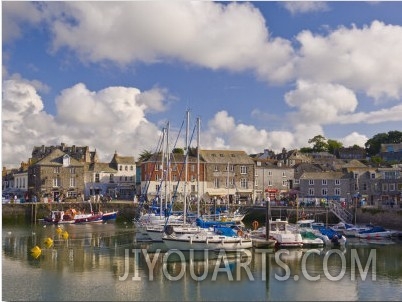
point(333, 145)
point(145, 155)
point(319, 143)
point(373, 145)
point(178, 151)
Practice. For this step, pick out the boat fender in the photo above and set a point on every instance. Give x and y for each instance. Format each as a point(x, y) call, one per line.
point(255, 224)
point(169, 230)
point(240, 233)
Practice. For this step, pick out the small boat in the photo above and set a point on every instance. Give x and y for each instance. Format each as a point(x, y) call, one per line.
point(284, 236)
point(375, 232)
point(71, 216)
point(216, 238)
point(310, 236)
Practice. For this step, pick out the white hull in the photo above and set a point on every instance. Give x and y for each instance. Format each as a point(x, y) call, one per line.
point(206, 241)
point(284, 236)
point(155, 232)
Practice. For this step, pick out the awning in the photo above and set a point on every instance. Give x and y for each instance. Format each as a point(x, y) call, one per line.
point(271, 190)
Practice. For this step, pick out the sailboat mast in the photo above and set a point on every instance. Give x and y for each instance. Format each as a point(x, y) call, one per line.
point(167, 172)
point(162, 169)
point(185, 165)
point(198, 166)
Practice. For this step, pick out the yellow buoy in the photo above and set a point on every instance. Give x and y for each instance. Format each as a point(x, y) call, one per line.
point(48, 242)
point(36, 251)
point(64, 235)
point(59, 230)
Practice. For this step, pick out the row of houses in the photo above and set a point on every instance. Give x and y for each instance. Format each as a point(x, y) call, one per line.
point(72, 172)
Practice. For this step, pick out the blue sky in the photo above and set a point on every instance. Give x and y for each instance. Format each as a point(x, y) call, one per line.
point(260, 75)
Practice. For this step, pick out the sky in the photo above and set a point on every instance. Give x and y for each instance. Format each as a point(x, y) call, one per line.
point(258, 75)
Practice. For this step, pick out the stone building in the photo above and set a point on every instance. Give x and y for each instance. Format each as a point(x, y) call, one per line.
point(56, 176)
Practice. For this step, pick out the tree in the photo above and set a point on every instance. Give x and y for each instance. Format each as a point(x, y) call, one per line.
point(333, 145)
point(145, 155)
point(320, 143)
point(373, 145)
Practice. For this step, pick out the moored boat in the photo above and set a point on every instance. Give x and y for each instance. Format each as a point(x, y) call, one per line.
point(208, 239)
point(284, 236)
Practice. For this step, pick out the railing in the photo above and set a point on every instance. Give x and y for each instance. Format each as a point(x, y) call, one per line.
point(340, 212)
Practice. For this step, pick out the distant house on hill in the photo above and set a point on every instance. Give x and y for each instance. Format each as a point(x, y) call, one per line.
point(391, 152)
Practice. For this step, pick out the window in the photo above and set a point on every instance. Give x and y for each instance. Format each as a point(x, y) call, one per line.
point(372, 175)
point(324, 191)
point(156, 167)
point(72, 170)
point(283, 174)
point(243, 183)
point(121, 168)
point(174, 167)
point(392, 187)
point(72, 194)
point(192, 168)
point(269, 173)
point(364, 187)
point(284, 183)
point(131, 168)
point(126, 168)
point(56, 182)
point(324, 182)
point(337, 182)
point(56, 170)
point(174, 177)
point(356, 176)
point(243, 170)
point(216, 168)
point(296, 181)
point(216, 182)
point(337, 192)
point(231, 168)
point(157, 177)
point(72, 182)
point(111, 178)
point(384, 187)
point(311, 182)
point(311, 191)
point(97, 177)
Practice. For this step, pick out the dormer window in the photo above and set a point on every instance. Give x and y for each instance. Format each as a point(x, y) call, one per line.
point(66, 160)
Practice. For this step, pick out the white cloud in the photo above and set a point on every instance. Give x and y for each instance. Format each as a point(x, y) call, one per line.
point(207, 34)
point(364, 60)
point(15, 15)
point(302, 7)
point(107, 118)
point(354, 138)
point(320, 103)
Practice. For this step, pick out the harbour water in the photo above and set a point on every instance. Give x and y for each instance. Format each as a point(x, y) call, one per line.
point(103, 262)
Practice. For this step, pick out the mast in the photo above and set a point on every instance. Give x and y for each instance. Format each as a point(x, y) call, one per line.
point(167, 172)
point(198, 166)
point(185, 166)
point(162, 168)
point(227, 182)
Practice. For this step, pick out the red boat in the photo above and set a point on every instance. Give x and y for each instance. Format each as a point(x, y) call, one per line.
point(72, 216)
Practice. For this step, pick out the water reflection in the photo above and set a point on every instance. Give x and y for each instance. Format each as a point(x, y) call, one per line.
point(107, 259)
